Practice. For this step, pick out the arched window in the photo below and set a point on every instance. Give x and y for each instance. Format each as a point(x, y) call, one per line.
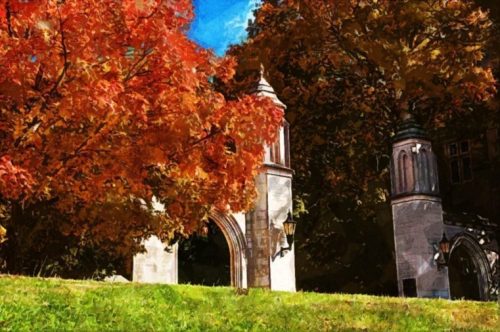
point(276, 149)
point(424, 179)
point(286, 141)
point(409, 173)
point(433, 174)
point(402, 164)
point(280, 150)
point(405, 174)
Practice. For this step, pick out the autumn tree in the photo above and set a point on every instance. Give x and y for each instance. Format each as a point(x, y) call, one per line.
point(348, 70)
point(107, 106)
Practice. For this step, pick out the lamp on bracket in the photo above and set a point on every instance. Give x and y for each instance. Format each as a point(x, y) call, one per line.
point(443, 255)
point(289, 226)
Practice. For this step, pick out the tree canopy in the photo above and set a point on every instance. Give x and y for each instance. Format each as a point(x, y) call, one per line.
point(107, 104)
point(348, 70)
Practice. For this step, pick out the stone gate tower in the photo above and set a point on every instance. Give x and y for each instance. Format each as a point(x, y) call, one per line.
point(259, 253)
point(264, 224)
point(417, 214)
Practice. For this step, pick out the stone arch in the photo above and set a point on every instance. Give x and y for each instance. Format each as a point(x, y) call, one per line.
point(237, 246)
point(479, 260)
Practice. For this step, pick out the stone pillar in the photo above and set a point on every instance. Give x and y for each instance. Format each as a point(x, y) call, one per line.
point(257, 235)
point(264, 224)
point(279, 196)
point(264, 232)
point(156, 265)
point(417, 214)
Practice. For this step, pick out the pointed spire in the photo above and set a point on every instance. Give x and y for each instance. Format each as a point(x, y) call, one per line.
point(266, 90)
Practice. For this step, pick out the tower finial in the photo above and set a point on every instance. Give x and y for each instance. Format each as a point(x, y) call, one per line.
point(265, 89)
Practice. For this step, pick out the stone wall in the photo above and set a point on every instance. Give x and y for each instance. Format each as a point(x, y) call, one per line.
point(418, 228)
point(257, 235)
point(264, 232)
point(156, 265)
point(279, 204)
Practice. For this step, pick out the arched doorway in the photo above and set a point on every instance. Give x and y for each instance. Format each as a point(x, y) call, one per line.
point(204, 258)
point(219, 258)
point(468, 270)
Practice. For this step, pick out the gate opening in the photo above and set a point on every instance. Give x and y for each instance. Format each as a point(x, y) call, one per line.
point(204, 259)
point(463, 274)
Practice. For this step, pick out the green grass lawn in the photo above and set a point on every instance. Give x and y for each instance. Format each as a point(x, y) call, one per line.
point(33, 304)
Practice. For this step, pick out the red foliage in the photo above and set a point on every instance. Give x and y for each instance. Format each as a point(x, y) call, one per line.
point(99, 96)
point(15, 182)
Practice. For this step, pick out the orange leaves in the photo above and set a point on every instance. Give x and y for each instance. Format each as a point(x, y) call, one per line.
point(106, 93)
point(479, 84)
point(15, 182)
point(135, 7)
point(96, 94)
point(477, 17)
point(136, 10)
point(3, 234)
point(22, 6)
point(226, 69)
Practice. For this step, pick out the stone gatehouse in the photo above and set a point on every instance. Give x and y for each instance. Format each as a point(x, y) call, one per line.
point(438, 254)
point(254, 239)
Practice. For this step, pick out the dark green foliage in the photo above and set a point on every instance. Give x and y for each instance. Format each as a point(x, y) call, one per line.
point(36, 246)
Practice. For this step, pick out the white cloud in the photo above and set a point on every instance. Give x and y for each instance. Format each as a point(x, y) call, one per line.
point(236, 27)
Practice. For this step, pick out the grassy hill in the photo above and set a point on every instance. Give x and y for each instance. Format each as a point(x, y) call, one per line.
point(32, 304)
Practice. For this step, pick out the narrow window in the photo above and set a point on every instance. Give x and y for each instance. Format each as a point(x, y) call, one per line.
point(455, 171)
point(425, 179)
point(402, 164)
point(275, 149)
point(452, 148)
point(464, 147)
point(467, 171)
point(287, 144)
point(459, 160)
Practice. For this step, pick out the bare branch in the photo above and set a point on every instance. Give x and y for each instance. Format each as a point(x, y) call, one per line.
point(8, 15)
point(64, 54)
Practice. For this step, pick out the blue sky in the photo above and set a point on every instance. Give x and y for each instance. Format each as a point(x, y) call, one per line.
point(219, 23)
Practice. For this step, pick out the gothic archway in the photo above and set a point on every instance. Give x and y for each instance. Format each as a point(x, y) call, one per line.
point(210, 244)
point(468, 269)
point(237, 247)
point(203, 257)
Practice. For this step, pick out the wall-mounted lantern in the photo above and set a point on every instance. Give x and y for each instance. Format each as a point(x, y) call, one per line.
point(289, 226)
point(443, 256)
